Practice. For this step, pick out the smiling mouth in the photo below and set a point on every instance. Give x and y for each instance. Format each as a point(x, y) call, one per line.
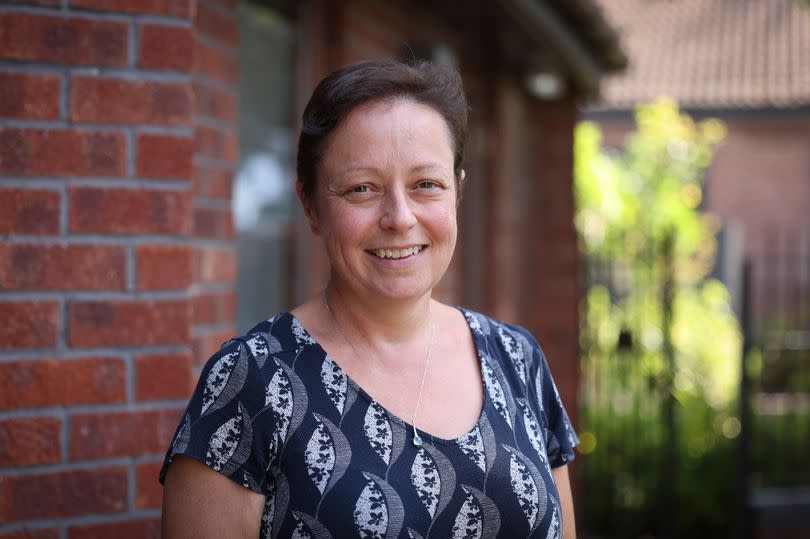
point(394, 254)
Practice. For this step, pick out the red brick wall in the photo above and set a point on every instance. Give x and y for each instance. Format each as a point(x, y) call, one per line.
point(216, 151)
point(115, 264)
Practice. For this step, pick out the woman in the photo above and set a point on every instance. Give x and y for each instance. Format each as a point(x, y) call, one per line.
point(373, 410)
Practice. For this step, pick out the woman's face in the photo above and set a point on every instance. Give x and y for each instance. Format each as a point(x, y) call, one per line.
point(385, 203)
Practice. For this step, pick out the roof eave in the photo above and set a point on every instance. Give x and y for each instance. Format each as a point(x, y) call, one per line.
point(587, 66)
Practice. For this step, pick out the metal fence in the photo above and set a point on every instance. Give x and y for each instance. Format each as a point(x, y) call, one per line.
point(775, 392)
point(643, 473)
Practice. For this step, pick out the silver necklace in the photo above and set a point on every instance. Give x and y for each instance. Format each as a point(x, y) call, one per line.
point(417, 440)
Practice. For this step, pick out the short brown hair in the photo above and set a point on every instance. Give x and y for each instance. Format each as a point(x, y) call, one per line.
point(438, 87)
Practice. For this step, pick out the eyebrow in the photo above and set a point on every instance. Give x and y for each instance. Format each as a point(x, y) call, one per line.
point(418, 168)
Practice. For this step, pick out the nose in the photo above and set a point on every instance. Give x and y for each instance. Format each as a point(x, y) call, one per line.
point(397, 213)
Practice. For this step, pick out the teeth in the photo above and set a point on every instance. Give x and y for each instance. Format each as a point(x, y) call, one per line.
point(397, 253)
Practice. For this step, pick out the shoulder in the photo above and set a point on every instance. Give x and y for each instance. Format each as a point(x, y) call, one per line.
point(278, 336)
point(510, 338)
point(510, 347)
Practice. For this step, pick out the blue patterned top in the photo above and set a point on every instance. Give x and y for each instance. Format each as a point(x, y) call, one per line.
point(273, 412)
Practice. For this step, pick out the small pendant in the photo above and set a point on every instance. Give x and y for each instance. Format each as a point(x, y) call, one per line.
point(417, 440)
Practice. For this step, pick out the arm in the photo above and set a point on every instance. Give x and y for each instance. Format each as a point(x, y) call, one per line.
point(200, 503)
point(566, 501)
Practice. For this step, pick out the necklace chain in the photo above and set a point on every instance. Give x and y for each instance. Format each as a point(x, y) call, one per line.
point(417, 440)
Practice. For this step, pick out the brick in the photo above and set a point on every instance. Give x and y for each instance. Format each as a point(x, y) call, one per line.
point(29, 441)
point(116, 434)
point(29, 211)
point(29, 96)
point(213, 183)
point(129, 211)
point(163, 376)
point(119, 101)
point(65, 382)
point(63, 494)
point(163, 266)
point(62, 152)
point(164, 156)
point(213, 307)
point(216, 143)
point(50, 533)
point(28, 324)
point(61, 267)
point(36, 3)
point(215, 103)
point(128, 323)
point(133, 529)
point(172, 8)
point(217, 25)
point(149, 492)
point(213, 223)
point(214, 63)
point(46, 38)
point(166, 47)
point(214, 264)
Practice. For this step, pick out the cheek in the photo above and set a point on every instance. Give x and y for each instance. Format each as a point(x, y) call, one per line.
point(444, 223)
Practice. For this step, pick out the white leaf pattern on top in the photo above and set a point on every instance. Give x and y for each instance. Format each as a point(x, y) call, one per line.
point(514, 350)
point(310, 526)
point(472, 446)
point(472, 320)
point(533, 431)
point(269, 509)
point(301, 531)
point(426, 481)
point(223, 443)
point(378, 431)
point(370, 511)
point(278, 396)
point(489, 511)
point(495, 390)
point(301, 336)
point(524, 488)
point(320, 456)
point(334, 383)
point(310, 409)
point(217, 378)
point(469, 520)
point(529, 472)
point(258, 347)
point(555, 526)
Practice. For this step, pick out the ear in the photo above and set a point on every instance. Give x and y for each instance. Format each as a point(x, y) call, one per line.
point(309, 209)
point(460, 187)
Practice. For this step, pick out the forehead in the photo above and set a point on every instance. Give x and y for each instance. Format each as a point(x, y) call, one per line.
point(382, 128)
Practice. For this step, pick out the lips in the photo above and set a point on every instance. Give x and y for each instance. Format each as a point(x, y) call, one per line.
point(395, 253)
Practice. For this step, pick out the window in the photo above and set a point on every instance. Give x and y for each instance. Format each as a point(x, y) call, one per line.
point(263, 192)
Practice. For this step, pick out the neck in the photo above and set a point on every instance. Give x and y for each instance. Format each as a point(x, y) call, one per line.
point(380, 323)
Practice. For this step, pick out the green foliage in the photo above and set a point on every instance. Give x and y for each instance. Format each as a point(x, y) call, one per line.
point(653, 326)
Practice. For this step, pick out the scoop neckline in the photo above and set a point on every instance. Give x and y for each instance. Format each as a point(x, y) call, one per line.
point(394, 417)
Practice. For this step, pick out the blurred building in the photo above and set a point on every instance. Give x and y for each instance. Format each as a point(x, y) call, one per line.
point(746, 62)
point(145, 178)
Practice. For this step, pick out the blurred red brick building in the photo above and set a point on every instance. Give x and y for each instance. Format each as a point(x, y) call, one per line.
point(748, 64)
point(120, 128)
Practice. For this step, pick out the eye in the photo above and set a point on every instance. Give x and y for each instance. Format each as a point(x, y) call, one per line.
point(363, 188)
point(428, 184)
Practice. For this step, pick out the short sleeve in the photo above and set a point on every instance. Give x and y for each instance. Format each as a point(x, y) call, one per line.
point(560, 437)
point(218, 428)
